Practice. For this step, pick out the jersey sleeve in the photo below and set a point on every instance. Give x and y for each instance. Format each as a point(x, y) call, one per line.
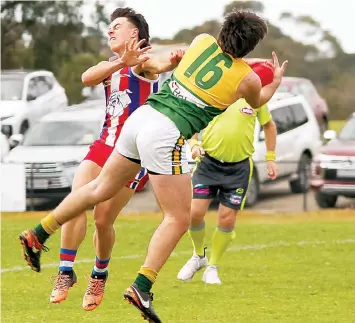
point(264, 115)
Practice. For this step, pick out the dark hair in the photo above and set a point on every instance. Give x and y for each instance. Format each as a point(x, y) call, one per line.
point(135, 19)
point(241, 32)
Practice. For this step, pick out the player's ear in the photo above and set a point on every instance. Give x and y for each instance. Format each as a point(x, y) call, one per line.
point(134, 33)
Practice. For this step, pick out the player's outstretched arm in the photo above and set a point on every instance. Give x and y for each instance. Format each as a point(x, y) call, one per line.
point(159, 64)
point(96, 74)
point(131, 57)
point(251, 89)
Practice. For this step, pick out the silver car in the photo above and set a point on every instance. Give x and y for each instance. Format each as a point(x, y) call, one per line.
point(53, 149)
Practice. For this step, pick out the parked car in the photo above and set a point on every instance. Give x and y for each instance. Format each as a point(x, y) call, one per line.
point(298, 140)
point(333, 169)
point(26, 96)
point(92, 93)
point(302, 86)
point(54, 147)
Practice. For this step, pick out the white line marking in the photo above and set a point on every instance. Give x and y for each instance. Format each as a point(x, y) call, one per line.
point(233, 249)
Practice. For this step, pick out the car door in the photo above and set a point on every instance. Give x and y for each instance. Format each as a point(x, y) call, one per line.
point(283, 119)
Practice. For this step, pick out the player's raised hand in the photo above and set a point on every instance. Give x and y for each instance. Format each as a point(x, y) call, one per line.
point(133, 53)
point(176, 57)
point(278, 70)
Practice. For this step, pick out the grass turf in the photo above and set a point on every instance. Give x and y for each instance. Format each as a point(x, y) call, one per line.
point(280, 268)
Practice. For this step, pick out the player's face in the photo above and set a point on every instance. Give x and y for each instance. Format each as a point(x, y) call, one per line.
point(120, 31)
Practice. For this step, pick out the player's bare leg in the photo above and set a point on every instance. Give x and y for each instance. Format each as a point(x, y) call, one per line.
point(174, 195)
point(105, 215)
point(66, 278)
point(105, 186)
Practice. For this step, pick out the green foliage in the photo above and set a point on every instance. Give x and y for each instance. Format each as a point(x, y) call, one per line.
point(51, 35)
point(70, 74)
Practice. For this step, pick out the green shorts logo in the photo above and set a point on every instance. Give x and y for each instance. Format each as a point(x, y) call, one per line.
point(239, 190)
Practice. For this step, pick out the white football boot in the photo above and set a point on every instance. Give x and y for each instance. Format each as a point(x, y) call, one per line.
point(194, 264)
point(210, 276)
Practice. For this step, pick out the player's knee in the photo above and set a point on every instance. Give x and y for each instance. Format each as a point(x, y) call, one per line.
point(103, 224)
point(99, 192)
point(181, 221)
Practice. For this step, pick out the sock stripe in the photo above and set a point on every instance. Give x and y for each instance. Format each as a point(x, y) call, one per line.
point(200, 227)
point(67, 257)
point(102, 262)
point(225, 230)
point(68, 251)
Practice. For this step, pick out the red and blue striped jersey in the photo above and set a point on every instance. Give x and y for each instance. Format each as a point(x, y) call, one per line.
point(125, 91)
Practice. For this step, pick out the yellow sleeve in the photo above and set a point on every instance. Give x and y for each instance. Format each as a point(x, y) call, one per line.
point(264, 115)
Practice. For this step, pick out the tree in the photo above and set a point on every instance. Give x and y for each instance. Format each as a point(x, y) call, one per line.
point(255, 6)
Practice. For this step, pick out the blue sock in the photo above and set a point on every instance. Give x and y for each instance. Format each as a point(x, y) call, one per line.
point(100, 268)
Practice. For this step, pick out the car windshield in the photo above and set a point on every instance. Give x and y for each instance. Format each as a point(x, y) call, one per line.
point(62, 133)
point(348, 131)
point(11, 88)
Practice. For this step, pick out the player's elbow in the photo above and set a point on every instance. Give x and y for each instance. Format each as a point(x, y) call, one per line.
point(87, 79)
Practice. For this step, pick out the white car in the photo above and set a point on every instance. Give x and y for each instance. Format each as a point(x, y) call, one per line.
point(4, 146)
point(26, 96)
point(53, 148)
point(298, 141)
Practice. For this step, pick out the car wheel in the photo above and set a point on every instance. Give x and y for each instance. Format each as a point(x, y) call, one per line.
point(24, 127)
point(302, 184)
point(325, 201)
point(253, 190)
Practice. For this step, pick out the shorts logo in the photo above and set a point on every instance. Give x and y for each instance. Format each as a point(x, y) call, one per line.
point(236, 199)
point(239, 190)
point(247, 111)
point(201, 189)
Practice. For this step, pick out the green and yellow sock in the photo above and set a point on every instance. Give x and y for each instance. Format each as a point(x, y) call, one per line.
point(197, 235)
point(220, 241)
point(145, 279)
point(47, 227)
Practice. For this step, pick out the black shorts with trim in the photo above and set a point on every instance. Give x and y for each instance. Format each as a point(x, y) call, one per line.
point(229, 181)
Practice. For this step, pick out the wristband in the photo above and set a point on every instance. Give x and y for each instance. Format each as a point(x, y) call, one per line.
point(270, 156)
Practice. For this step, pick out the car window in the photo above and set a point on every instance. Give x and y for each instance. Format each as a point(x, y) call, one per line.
point(43, 86)
point(62, 133)
point(299, 115)
point(348, 131)
point(11, 88)
point(49, 81)
point(33, 91)
point(283, 119)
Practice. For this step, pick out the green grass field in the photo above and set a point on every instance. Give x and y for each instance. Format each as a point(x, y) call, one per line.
point(280, 268)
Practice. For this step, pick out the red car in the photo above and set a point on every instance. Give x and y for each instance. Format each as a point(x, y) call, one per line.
point(333, 170)
point(305, 87)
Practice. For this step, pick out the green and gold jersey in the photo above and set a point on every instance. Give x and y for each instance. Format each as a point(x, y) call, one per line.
point(203, 85)
point(230, 136)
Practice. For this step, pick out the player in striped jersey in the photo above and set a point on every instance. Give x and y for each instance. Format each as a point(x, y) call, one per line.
point(128, 79)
